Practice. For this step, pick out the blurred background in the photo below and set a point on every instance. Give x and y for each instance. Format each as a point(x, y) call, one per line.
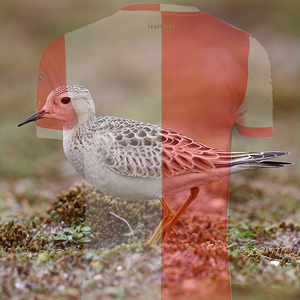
point(35, 170)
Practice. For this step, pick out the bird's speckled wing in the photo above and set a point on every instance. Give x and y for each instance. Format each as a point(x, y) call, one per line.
point(145, 150)
point(138, 149)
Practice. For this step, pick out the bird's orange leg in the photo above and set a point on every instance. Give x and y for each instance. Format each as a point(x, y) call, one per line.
point(166, 230)
point(167, 214)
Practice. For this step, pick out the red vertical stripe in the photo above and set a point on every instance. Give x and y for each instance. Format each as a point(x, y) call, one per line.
point(153, 7)
point(51, 74)
point(204, 78)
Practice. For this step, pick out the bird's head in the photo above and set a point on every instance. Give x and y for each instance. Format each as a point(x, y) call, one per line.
point(68, 104)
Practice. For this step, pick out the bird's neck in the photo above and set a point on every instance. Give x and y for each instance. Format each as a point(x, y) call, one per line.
point(85, 118)
point(81, 121)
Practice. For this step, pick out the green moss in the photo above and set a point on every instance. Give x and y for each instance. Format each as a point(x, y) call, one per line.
point(82, 219)
point(78, 218)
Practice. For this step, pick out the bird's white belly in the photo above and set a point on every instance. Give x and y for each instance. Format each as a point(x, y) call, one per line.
point(132, 188)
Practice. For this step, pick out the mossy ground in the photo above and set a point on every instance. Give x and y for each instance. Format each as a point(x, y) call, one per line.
point(77, 249)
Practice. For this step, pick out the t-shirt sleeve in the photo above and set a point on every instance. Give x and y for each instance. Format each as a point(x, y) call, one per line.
point(51, 74)
point(254, 117)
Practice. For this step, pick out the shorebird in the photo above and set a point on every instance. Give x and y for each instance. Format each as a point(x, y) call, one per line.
point(140, 161)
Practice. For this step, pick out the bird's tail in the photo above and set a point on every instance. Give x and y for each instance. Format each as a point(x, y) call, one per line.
point(241, 161)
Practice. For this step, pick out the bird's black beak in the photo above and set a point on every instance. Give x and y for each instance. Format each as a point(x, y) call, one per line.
point(34, 117)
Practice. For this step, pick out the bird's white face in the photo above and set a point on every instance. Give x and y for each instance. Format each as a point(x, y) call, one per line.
point(68, 105)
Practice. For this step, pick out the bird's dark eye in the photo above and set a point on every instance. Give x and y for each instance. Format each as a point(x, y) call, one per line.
point(65, 100)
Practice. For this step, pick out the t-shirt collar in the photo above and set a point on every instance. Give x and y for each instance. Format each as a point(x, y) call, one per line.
point(160, 7)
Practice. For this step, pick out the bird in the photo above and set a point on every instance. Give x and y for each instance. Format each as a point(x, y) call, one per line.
point(138, 160)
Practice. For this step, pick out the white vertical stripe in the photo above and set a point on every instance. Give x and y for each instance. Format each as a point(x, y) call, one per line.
point(119, 60)
point(178, 8)
point(257, 108)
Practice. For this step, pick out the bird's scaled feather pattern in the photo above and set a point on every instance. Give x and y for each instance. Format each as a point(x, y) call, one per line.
point(131, 148)
point(138, 149)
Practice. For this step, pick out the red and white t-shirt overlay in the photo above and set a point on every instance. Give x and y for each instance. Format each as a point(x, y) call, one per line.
point(170, 65)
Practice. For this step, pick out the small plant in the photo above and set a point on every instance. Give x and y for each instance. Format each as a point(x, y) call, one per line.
point(250, 245)
point(241, 234)
point(79, 234)
point(10, 224)
point(233, 246)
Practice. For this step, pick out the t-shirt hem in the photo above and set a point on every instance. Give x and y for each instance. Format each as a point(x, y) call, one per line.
point(254, 131)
